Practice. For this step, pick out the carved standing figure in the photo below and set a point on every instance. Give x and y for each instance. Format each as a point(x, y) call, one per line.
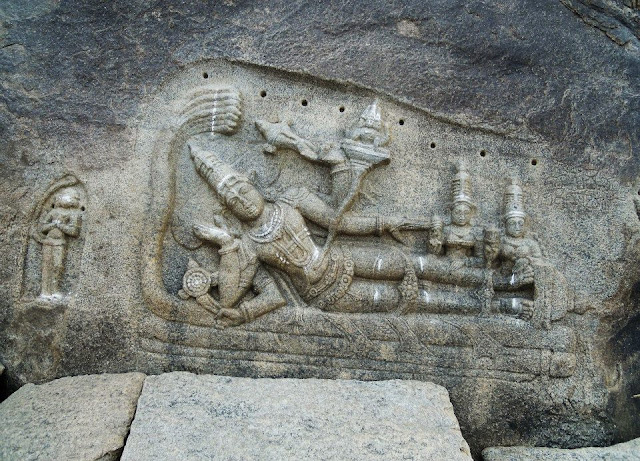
point(59, 223)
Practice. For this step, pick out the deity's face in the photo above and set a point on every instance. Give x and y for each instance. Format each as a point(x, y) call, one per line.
point(515, 226)
point(244, 201)
point(461, 214)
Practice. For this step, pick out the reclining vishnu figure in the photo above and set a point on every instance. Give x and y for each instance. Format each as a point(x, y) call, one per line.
point(335, 276)
point(331, 278)
point(276, 235)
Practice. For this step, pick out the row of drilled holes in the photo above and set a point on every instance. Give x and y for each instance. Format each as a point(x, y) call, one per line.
point(483, 153)
point(305, 103)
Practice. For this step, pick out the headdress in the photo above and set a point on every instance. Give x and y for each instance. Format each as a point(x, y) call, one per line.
point(68, 198)
point(514, 207)
point(218, 174)
point(371, 116)
point(370, 128)
point(461, 187)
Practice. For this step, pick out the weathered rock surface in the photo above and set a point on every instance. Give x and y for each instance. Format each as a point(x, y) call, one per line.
point(628, 451)
point(188, 417)
point(81, 418)
point(544, 91)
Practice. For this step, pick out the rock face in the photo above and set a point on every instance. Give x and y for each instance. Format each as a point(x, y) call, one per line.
point(629, 451)
point(188, 417)
point(441, 191)
point(81, 418)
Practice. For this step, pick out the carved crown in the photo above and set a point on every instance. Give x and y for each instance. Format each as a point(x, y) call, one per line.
point(514, 206)
point(461, 186)
point(217, 173)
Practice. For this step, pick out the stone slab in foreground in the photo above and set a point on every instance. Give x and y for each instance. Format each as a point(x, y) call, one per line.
point(79, 418)
point(189, 417)
point(628, 451)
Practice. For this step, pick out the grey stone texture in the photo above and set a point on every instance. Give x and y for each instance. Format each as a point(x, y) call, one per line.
point(82, 418)
point(185, 417)
point(628, 451)
point(99, 196)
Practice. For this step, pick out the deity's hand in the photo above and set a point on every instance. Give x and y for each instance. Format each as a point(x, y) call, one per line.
point(435, 245)
point(230, 317)
point(331, 154)
point(395, 225)
point(280, 136)
point(212, 234)
point(46, 227)
point(523, 273)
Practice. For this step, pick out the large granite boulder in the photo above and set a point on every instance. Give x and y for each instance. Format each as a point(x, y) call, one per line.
point(82, 418)
point(441, 191)
point(182, 416)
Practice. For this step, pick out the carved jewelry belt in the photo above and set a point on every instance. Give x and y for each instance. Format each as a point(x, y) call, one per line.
point(338, 275)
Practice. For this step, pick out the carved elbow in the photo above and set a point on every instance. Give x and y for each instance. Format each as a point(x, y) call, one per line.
point(277, 298)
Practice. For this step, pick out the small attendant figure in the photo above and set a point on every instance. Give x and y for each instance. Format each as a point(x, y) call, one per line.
point(460, 237)
point(521, 252)
point(62, 221)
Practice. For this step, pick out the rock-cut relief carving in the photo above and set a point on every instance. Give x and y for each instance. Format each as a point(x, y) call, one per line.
point(289, 248)
point(59, 224)
point(339, 278)
point(55, 241)
point(524, 265)
point(275, 234)
point(51, 258)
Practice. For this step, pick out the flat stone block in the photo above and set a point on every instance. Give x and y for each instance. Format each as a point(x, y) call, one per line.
point(628, 451)
point(189, 417)
point(79, 418)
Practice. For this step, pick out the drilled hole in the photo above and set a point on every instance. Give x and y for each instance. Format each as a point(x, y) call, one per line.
point(534, 162)
point(81, 208)
point(263, 94)
point(401, 122)
point(483, 153)
point(433, 145)
point(205, 75)
point(305, 102)
point(341, 109)
point(53, 205)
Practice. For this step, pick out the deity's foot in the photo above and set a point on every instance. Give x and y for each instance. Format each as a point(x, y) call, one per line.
point(517, 307)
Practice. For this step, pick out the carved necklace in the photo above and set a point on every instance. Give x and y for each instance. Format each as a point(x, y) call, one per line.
point(269, 232)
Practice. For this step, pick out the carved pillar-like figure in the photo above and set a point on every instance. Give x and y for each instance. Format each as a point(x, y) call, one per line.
point(59, 223)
